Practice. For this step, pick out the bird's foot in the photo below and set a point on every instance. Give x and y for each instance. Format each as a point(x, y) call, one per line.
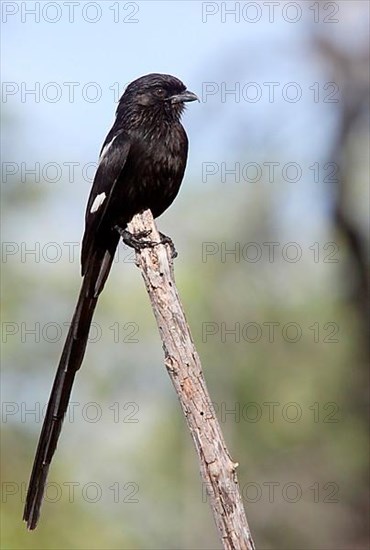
point(167, 240)
point(138, 241)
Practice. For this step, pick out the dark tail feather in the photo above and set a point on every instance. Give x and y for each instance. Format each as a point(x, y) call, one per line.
point(70, 362)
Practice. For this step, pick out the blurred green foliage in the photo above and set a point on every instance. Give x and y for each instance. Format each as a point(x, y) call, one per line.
point(292, 402)
point(141, 459)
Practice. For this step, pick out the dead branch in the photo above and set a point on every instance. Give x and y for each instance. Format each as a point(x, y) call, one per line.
point(217, 469)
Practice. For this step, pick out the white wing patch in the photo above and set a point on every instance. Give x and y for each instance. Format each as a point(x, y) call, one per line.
point(98, 201)
point(105, 149)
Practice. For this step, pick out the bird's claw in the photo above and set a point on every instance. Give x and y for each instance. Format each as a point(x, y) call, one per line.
point(136, 240)
point(167, 240)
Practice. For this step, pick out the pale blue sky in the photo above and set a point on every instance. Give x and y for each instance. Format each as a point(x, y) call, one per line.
point(178, 38)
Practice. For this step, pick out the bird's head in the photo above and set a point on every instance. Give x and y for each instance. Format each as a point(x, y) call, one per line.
point(153, 94)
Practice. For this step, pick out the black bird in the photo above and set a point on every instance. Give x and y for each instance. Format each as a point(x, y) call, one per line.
point(142, 163)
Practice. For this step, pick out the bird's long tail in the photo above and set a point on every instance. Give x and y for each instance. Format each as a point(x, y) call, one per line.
point(70, 362)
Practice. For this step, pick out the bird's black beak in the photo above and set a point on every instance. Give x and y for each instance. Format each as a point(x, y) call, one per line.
point(184, 96)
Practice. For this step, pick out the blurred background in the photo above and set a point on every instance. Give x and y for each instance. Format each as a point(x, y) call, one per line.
point(271, 226)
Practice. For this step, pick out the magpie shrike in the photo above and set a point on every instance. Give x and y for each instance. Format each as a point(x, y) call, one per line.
point(142, 163)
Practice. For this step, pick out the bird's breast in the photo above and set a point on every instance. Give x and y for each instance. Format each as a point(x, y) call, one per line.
point(153, 171)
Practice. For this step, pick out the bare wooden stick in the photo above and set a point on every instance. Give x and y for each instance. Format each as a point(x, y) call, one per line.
point(217, 469)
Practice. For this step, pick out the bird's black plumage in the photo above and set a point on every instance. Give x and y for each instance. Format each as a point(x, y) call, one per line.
point(142, 163)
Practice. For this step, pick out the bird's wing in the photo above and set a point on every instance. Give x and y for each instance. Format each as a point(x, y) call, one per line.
point(113, 158)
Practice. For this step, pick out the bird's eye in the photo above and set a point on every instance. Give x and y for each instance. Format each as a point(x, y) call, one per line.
point(160, 92)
